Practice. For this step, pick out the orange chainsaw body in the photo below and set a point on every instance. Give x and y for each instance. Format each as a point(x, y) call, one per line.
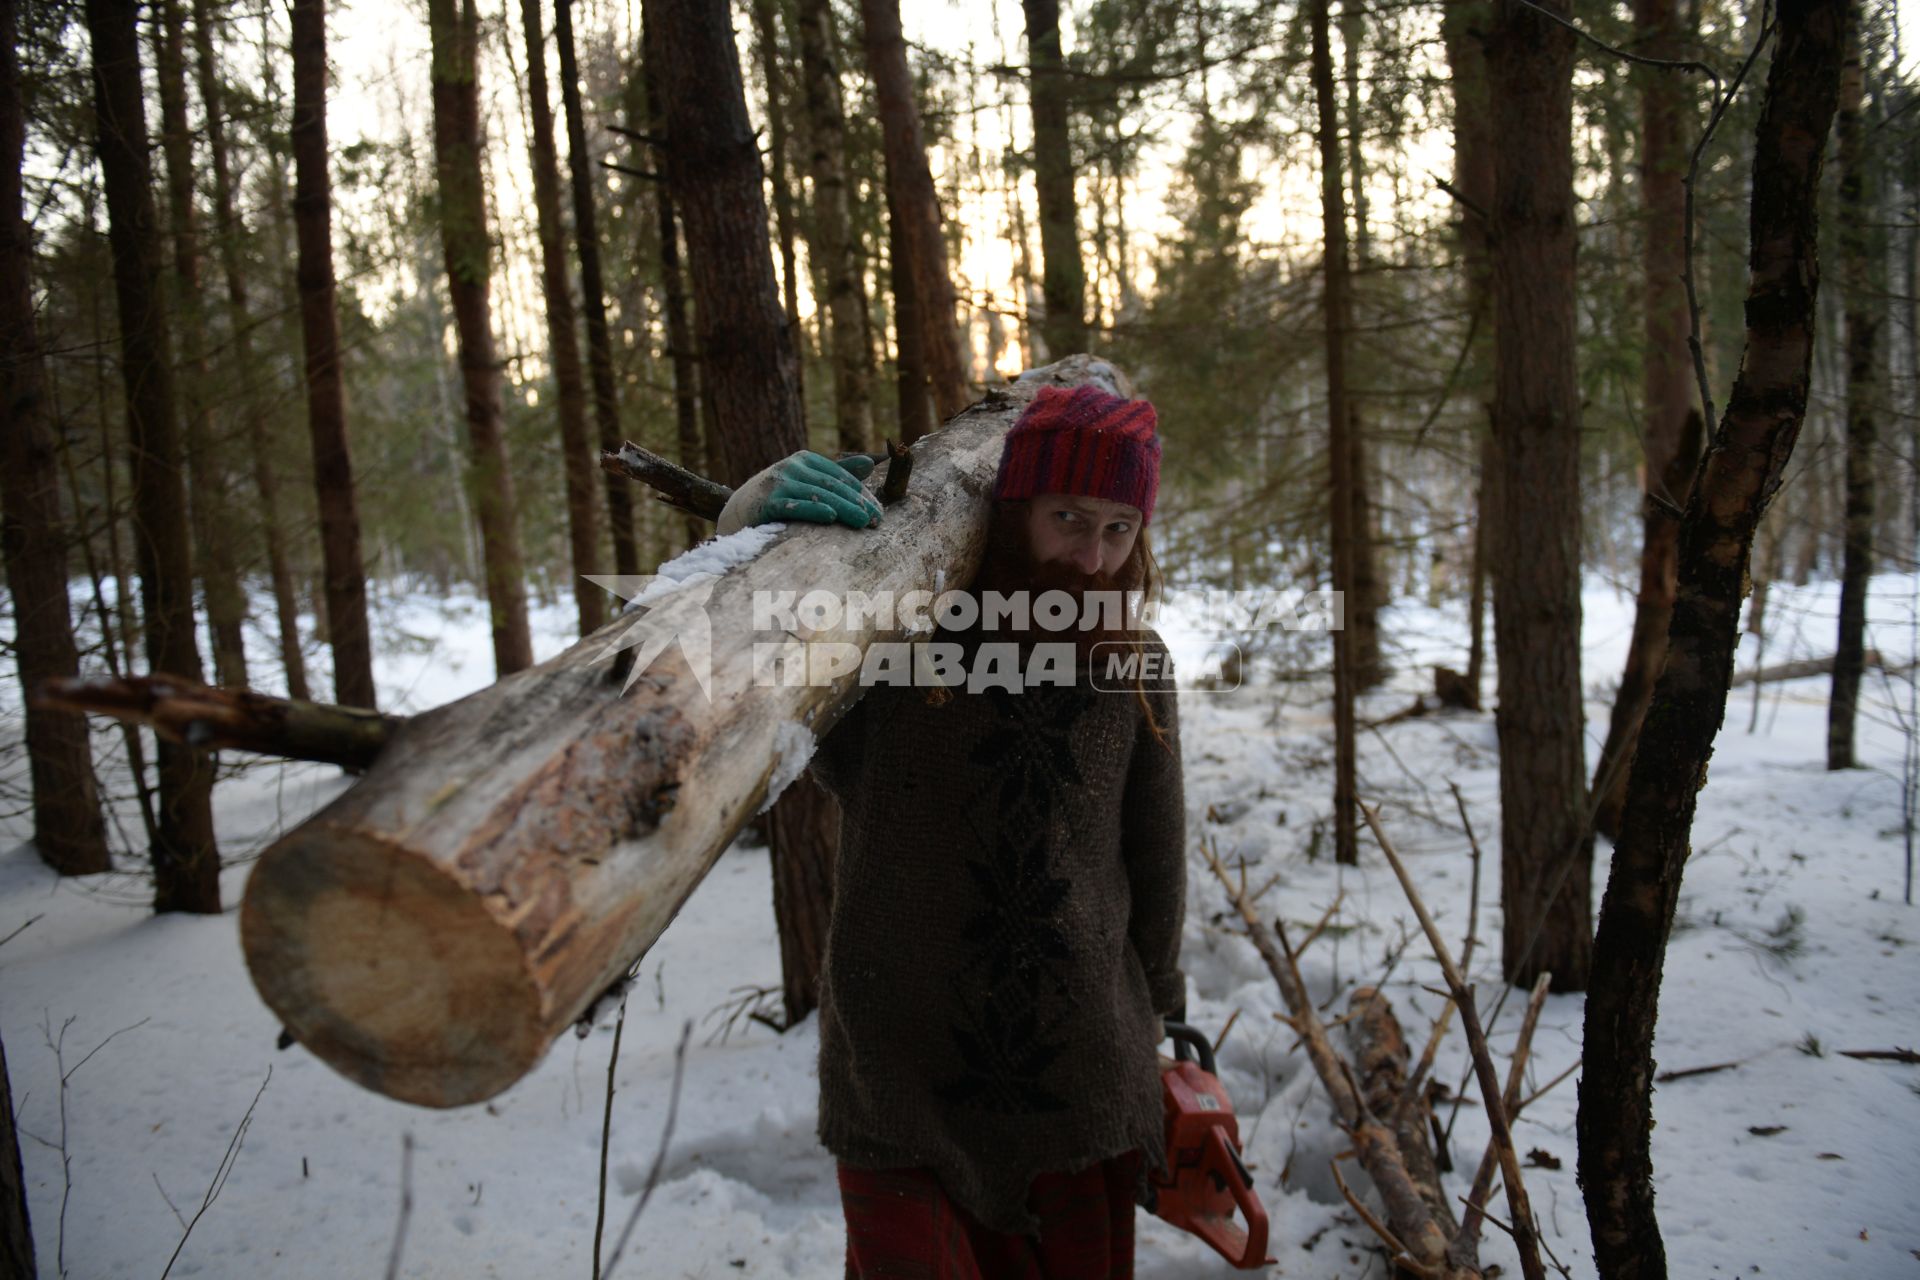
point(1205, 1182)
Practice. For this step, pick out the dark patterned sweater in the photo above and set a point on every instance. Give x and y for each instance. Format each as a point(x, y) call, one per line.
point(1006, 930)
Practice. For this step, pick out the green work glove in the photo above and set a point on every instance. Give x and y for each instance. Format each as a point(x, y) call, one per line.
point(805, 486)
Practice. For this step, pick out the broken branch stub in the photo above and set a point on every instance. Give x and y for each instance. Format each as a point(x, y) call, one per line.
point(510, 855)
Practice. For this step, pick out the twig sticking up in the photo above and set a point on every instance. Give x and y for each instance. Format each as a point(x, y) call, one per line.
point(660, 1155)
point(899, 470)
point(406, 1205)
point(1473, 894)
point(606, 1131)
point(1525, 1238)
point(672, 483)
point(220, 1175)
point(228, 719)
point(1509, 1101)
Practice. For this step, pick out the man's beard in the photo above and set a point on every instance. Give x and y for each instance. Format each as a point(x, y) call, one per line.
point(1008, 566)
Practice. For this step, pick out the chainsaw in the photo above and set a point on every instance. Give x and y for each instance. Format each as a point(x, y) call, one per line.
point(1205, 1180)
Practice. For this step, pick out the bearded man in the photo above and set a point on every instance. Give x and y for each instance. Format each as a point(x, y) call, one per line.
point(1010, 888)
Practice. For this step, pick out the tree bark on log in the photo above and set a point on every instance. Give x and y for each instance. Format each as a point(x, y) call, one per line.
point(1741, 473)
point(68, 831)
point(515, 852)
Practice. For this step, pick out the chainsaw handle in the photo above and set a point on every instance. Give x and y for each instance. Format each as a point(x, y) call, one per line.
point(1186, 1040)
point(1222, 1158)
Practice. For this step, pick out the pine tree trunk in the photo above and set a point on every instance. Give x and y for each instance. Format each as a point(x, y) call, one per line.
point(673, 288)
point(1859, 212)
point(1671, 430)
point(1742, 470)
point(916, 205)
point(1063, 277)
point(909, 346)
point(292, 661)
point(779, 104)
point(1339, 320)
point(346, 575)
point(209, 507)
point(1536, 605)
point(833, 247)
point(1464, 27)
point(584, 528)
point(463, 234)
point(67, 828)
point(186, 863)
point(713, 169)
point(16, 1230)
point(593, 293)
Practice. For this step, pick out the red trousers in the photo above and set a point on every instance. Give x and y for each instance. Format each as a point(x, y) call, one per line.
point(902, 1226)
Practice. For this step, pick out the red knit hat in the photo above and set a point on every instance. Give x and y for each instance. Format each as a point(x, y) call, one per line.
point(1083, 441)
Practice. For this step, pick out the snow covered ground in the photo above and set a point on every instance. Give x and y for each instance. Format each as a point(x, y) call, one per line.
point(1792, 944)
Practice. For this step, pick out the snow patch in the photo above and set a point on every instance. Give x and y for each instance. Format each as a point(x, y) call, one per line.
point(707, 561)
point(793, 745)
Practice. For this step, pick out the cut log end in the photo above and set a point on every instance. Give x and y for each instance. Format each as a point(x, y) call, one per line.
point(390, 970)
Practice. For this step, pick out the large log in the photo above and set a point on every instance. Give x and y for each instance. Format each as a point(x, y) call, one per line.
point(509, 856)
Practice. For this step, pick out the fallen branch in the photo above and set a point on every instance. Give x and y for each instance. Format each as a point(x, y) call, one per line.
point(1510, 1104)
point(1410, 1229)
point(1804, 667)
point(211, 719)
point(672, 483)
point(1882, 1055)
point(1666, 1077)
point(1525, 1235)
point(660, 1153)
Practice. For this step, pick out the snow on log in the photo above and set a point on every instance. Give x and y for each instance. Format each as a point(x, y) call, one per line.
point(511, 855)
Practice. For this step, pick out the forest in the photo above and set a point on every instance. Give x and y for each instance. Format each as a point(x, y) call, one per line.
point(357, 360)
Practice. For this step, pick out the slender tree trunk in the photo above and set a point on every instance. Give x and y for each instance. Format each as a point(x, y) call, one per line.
point(463, 234)
point(584, 529)
point(346, 575)
point(16, 1230)
point(593, 294)
point(713, 169)
point(227, 221)
point(186, 863)
point(916, 205)
point(909, 346)
point(212, 519)
point(1063, 276)
point(1545, 839)
point(1339, 317)
point(833, 245)
point(1741, 473)
point(67, 827)
point(1369, 595)
point(686, 398)
point(779, 147)
point(1464, 27)
point(1859, 212)
point(1671, 429)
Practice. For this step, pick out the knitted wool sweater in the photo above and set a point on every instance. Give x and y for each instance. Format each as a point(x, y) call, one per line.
point(1006, 929)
